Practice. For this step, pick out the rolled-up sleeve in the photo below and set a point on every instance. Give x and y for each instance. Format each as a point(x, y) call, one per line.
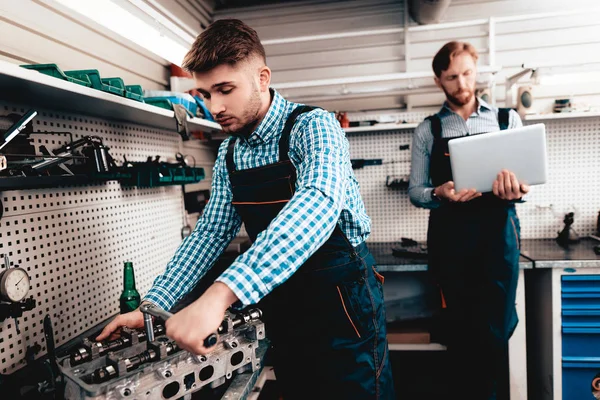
point(216, 228)
point(420, 187)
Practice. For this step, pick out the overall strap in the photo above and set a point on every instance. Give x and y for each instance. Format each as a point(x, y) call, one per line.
point(503, 118)
point(284, 141)
point(229, 156)
point(436, 126)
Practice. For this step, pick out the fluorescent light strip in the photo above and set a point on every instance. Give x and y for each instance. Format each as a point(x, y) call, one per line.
point(187, 35)
point(126, 24)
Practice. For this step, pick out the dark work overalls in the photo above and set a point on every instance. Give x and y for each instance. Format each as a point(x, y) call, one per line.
point(326, 323)
point(474, 257)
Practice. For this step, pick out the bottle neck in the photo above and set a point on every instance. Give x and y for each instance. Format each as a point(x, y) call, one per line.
point(128, 278)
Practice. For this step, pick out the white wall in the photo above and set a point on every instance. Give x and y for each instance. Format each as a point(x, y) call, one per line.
point(572, 39)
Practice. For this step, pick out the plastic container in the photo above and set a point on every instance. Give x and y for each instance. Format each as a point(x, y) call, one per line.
point(161, 102)
point(186, 100)
point(154, 175)
point(109, 85)
point(94, 77)
point(116, 83)
point(134, 92)
point(54, 71)
point(193, 104)
point(189, 105)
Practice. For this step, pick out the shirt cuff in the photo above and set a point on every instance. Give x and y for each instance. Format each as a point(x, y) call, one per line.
point(160, 297)
point(428, 194)
point(433, 202)
point(244, 283)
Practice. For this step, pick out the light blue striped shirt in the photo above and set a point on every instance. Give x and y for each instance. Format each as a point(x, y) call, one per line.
point(327, 193)
point(483, 120)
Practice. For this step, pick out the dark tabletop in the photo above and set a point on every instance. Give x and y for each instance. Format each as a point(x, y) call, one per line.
point(547, 253)
point(382, 252)
point(535, 253)
point(386, 261)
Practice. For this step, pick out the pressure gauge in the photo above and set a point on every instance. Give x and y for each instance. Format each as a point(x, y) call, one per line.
point(14, 284)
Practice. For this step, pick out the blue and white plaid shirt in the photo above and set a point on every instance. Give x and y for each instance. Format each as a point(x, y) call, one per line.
point(327, 193)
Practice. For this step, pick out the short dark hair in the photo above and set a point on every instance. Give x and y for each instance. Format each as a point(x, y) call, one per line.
point(446, 54)
point(226, 41)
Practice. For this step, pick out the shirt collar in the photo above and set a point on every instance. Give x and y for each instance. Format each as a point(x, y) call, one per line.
point(483, 104)
point(271, 123)
point(480, 104)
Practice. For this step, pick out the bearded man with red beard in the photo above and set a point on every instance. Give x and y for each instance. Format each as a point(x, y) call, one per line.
point(473, 238)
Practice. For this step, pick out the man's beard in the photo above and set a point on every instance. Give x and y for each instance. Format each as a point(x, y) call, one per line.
point(456, 101)
point(250, 117)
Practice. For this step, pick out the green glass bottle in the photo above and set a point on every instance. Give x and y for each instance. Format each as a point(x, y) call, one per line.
point(130, 298)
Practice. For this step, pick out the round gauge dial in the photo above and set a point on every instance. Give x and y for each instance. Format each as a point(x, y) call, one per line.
point(14, 284)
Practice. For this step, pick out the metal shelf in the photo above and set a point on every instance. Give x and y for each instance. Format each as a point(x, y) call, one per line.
point(380, 128)
point(38, 182)
point(38, 90)
point(401, 76)
point(199, 124)
point(582, 114)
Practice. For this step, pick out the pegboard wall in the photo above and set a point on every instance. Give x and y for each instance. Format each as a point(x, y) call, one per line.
point(73, 241)
point(573, 182)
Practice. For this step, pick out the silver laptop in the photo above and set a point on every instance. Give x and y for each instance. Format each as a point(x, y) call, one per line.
point(476, 160)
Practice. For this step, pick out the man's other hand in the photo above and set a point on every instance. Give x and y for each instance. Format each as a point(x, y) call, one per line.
point(507, 187)
point(447, 192)
point(133, 320)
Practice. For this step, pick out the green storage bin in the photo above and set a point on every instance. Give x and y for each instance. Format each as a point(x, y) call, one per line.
point(183, 175)
point(149, 174)
point(162, 101)
point(116, 83)
point(134, 92)
point(94, 77)
point(54, 71)
point(199, 174)
point(159, 102)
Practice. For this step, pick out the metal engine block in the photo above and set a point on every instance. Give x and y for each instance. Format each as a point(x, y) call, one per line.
point(133, 368)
